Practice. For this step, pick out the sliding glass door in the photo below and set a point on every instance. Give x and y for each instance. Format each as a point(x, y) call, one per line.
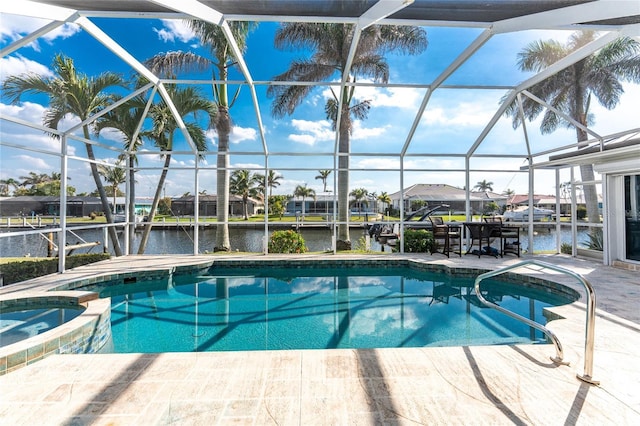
point(632, 216)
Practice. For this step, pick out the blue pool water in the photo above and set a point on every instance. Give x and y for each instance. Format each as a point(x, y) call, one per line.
point(246, 309)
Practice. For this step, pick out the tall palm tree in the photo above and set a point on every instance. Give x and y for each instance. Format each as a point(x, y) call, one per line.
point(221, 60)
point(571, 89)
point(189, 102)
point(360, 197)
point(303, 191)
point(245, 184)
point(323, 175)
point(329, 44)
point(273, 180)
point(126, 119)
point(114, 176)
point(71, 92)
point(385, 199)
point(484, 186)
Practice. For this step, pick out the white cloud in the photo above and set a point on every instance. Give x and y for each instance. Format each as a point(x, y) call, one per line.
point(360, 132)
point(174, 29)
point(393, 97)
point(36, 163)
point(14, 27)
point(240, 134)
point(312, 131)
point(254, 167)
point(34, 138)
point(463, 114)
point(63, 31)
point(16, 65)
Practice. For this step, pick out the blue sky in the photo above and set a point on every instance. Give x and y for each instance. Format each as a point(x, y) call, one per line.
point(452, 122)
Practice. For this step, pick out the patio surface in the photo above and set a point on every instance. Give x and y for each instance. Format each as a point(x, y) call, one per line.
point(457, 385)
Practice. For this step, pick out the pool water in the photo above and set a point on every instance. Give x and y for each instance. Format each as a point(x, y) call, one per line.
point(20, 322)
point(245, 309)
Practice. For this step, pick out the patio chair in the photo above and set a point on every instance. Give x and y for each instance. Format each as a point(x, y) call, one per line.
point(448, 237)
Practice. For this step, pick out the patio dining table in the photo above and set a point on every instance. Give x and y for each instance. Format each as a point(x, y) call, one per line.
point(481, 233)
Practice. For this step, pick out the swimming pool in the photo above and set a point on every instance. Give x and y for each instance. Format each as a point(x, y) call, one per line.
point(231, 309)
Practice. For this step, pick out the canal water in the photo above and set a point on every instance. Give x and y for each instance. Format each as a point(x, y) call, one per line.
point(180, 241)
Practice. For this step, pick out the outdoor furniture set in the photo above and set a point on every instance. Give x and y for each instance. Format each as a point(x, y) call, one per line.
point(481, 235)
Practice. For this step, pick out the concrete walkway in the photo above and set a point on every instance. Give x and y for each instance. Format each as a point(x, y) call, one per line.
point(458, 385)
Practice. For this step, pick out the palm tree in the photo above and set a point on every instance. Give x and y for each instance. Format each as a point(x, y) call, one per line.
point(245, 185)
point(571, 89)
point(385, 200)
point(114, 176)
point(304, 191)
point(126, 119)
point(71, 92)
point(484, 186)
point(7, 184)
point(359, 197)
point(509, 192)
point(212, 37)
point(324, 175)
point(273, 180)
point(329, 44)
point(189, 102)
point(34, 179)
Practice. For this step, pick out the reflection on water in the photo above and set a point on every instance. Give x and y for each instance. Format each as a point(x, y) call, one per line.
point(177, 241)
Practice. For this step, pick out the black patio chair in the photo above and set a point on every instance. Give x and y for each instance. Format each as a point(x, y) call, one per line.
point(448, 237)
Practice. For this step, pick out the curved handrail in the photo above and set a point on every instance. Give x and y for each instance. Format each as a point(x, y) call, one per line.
point(590, 323)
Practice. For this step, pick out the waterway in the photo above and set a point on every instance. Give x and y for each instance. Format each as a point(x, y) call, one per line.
point(180, 240)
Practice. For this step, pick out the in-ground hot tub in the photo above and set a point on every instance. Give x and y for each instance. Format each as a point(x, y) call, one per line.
point(35, 326)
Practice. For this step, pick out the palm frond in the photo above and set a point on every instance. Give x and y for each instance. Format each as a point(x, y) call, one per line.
point(169, 63)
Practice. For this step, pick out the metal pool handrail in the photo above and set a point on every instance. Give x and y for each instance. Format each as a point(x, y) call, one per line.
point(591, 314)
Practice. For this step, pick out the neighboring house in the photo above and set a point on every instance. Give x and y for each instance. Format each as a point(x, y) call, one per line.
point(435, 194)
point(207, 205)
point(42, 205)
point(323, 204)
point(142, 204)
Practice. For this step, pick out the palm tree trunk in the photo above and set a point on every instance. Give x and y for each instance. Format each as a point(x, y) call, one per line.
point(154, 205)
point(113, 236)
point(223, 127)
point(589, 190)
point(245, 209)
point(132, 201)
point(587, 175)
point(343, 241)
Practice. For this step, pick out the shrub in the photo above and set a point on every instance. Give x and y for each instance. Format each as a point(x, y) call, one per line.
point(419, 241)
point(22, 270)
point(361, 245)
point(566, 248)
point(286, 242)
point(596, 240)
point(581, 212)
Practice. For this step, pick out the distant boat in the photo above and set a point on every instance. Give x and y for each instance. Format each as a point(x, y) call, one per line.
point(121, 218)
point(521, 214)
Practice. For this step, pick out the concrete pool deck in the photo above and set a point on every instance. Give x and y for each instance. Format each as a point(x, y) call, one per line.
point(457, 385)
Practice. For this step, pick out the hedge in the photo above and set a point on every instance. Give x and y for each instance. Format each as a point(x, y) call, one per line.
point(26, 269)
